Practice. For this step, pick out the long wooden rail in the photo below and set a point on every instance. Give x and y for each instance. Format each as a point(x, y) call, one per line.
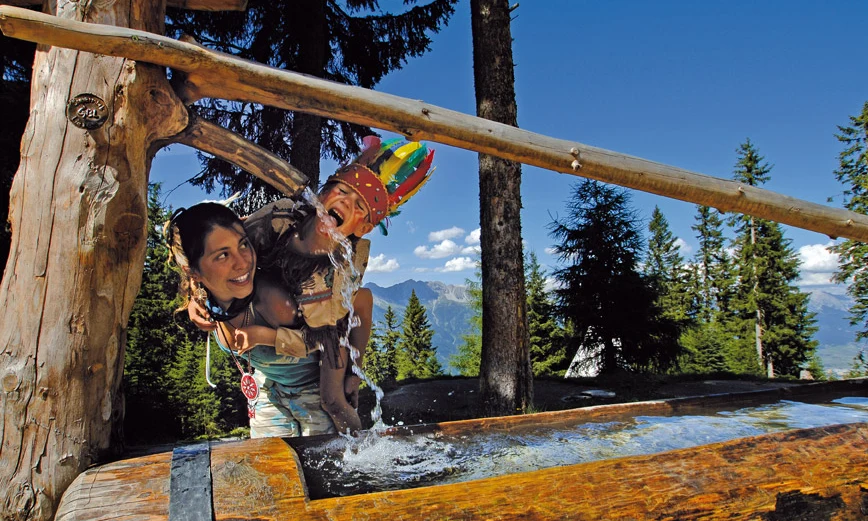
point(218, 75)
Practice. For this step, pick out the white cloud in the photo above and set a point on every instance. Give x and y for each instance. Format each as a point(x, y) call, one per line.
point(446, 248)
point(421, 270)
point(551, 250)
point(818, 265)
point(411, 226)
point(379, 264)
point(473, 238)
point(442, 235)
point(817, 258)
point(472, 250)
point(552, 284)
point(683, 246)
point(458, 264)
point(815, 279)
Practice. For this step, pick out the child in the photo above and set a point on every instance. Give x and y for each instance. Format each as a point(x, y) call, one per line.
point(295, 240)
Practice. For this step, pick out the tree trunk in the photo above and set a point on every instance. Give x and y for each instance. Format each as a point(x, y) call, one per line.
point(505, 377)
point(307, 128)
point(78, 211)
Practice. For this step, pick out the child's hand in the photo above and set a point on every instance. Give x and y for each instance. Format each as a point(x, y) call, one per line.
point(351, 389)
point(251, 336)
point(200, 316)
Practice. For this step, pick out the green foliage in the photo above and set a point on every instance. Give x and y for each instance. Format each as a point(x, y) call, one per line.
point(859, 367)
point(351, 42)
point(548, 354)
point(417, 357)
point(705, 348)
point(469, 355)
point(712, 279)
point(816, 368)
point(665, 271)
point(852, 172)
point(381, 358)
point(606, 301)
point(767, 298)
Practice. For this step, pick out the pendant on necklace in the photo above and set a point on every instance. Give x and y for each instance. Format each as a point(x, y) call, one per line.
point(251, 392)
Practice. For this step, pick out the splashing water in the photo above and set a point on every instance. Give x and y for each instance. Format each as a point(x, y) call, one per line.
point(341, 259)
point(341, 466)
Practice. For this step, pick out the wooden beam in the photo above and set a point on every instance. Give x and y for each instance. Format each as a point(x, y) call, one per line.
point(22, 3)
point(229, 146)
point(193, 5)
point(224, 76)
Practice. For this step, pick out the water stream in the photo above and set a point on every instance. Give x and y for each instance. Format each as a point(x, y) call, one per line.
point(341, 466)
point(341, 260)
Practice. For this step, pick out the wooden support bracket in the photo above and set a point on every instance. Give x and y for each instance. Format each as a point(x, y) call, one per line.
point(229, 146)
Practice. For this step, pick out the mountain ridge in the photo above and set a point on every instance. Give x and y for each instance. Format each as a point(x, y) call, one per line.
point(448, 309)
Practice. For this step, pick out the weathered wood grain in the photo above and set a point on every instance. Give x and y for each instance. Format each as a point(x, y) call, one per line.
point(193, 5)
point(223, 76)
point(131, 489)
point(78, 212)
point(806, 474)
point(256, 479)
point(216, 140)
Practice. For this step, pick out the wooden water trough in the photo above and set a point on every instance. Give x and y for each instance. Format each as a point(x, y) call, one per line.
point(818, 473)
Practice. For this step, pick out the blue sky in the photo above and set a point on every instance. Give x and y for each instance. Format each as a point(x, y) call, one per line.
point(677, 82)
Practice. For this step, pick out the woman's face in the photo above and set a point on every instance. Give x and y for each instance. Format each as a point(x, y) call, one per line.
point(227, 265)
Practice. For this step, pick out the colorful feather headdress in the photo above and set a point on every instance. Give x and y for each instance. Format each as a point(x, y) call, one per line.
point(387, 174)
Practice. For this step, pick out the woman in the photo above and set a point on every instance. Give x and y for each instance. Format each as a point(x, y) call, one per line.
point(292, 395)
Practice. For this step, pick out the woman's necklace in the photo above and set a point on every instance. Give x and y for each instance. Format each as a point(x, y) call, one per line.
point(248, 384)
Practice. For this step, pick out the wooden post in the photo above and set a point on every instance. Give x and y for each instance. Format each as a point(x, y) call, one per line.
point(78, 211)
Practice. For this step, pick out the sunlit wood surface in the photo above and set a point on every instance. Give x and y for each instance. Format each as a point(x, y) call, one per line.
point(810, 474)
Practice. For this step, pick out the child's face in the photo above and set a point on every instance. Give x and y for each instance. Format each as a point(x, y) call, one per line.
point(349, 210)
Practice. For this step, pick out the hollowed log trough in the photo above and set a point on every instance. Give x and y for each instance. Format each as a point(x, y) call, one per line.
point(808, 474)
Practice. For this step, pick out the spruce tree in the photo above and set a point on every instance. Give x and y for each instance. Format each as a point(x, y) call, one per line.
point(167, 397)
point(466, 361)
point(753, 171)
point(608, 304)
point(711, 285)
point(770, 304)
point(381, 356)
point(713, 278)
point(852, 172)
point(153, 339)
point(664, 268)
point(351, 42)
point(547, 347)
point(417, 356)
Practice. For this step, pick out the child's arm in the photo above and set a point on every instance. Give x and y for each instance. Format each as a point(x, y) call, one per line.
point(363, 304)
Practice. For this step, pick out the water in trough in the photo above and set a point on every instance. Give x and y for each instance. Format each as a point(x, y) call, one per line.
point(344, 466)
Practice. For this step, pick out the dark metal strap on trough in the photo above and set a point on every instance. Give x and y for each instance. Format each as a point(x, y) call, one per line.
point(190, 484)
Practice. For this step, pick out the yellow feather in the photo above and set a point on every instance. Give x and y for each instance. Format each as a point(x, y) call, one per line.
point(393, 164)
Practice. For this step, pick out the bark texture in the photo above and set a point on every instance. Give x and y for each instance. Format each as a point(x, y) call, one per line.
point(505, 377)
point(78, 210)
